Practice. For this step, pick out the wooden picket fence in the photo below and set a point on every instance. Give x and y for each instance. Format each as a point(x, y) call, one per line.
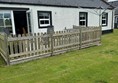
point(4, 47)
point(22, 48)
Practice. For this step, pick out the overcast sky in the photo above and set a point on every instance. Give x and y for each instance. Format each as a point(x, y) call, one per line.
point(112, 0)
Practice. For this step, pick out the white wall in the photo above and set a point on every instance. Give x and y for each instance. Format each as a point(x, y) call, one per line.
point(61, 17)
point(64, 17)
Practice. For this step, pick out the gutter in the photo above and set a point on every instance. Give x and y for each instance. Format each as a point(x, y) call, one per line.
point(36, 4)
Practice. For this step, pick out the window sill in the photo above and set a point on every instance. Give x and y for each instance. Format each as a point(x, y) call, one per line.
point(45, 26)
point(104, 25)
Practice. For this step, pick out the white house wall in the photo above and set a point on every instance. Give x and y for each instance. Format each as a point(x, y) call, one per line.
point(63, 17)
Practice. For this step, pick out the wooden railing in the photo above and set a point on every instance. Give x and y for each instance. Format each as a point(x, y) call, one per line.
point(23, 48)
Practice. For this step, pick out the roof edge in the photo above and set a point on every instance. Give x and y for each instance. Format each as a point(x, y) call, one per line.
point(112, 7)
point(38, 4)
point(68, 6)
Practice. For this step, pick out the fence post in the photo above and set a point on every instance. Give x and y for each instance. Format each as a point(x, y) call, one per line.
point(100, 35)
point(89, 34)
point(6, 48)
point(80, 37)
point(50, 31)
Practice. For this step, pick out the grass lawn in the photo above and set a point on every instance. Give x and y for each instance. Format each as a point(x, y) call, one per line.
point(97, 64)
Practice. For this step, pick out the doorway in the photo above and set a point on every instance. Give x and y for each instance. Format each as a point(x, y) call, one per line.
point(20, 20)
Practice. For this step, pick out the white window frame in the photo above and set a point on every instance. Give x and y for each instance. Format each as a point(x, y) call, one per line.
point(30, 21)
point(44, 19)
point(4, 25)
point(105, 15)
point(83, 20)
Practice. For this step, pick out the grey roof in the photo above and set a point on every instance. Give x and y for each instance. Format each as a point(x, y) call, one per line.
point(72, 3)
point(115, 4)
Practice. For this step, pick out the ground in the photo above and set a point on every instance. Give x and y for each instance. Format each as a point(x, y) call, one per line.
point(97, 64)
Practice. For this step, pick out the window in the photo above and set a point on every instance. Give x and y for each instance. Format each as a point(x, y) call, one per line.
point(116, 19)
point(44, 19)
point(104, 19)
point(83, 18)
point(5, 21)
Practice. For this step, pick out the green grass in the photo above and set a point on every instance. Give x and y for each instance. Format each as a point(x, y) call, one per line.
point(1, 62)
point(97, 64)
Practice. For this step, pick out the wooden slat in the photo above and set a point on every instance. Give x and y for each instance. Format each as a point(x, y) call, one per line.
point(25, 53)
point(20, 45)
point(30, 45)
point(24, 38)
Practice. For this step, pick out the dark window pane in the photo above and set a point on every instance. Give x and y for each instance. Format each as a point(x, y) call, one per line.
point(47, 22)
point(103, 17)
point(46, 17)
point(7, 22)
point(41, 17)
point(1, 16)
point(82, 14)
point(104, 14)
point(82, 23)
point(46, 14)
point(40, 14)
point(103, 21)
point(1, 29)
point(82, 18)
point(7, 15)
point(1, 22)
point(9, 29)
point(42, 22)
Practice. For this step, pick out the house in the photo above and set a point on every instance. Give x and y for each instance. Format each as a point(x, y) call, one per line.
point(115, 4)
point(33, 16)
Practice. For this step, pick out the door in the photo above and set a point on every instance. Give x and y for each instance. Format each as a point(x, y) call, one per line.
point(29, 22)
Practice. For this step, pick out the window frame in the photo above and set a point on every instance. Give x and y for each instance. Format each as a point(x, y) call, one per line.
point(5, 25)
point(86, 19)
point(50, 19)
point(105, 19)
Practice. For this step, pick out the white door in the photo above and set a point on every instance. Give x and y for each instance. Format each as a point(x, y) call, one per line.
point(29, 22)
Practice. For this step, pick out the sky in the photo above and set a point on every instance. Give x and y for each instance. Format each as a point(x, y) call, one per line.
point(112, 0)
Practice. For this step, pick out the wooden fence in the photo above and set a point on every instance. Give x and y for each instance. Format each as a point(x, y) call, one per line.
point(21, 48)
point(4, 47)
